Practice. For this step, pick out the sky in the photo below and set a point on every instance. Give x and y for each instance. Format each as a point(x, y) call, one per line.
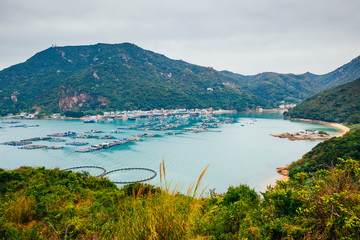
point(242, 36)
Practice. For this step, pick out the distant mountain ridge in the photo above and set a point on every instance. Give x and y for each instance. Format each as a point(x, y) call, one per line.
point(125, 76)
point(338, 104)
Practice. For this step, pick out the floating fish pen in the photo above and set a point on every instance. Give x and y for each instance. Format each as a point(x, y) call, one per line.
point(174, 132)
point(24, 126)
point(82, 167)
point(94, 131)
point(96, 147)
point(54, 147)
point(31, 147)
point(10, 122)
point(17, 143)
point(115, 131)
point(152, 176)
point(146, 135)
point(37, 139)
point(56, 140)
point(124, 128)
point(86, 136)
point(107, 137)
point(65, 134)
point(77, 143)
point(19, 126)
point(84, 150)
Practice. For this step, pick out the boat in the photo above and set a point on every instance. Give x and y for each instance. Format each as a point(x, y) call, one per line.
point(94, 131)
point(90, 120)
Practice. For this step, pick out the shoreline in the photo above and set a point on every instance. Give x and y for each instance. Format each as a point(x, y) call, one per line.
point(284, 170)
point(343, 129)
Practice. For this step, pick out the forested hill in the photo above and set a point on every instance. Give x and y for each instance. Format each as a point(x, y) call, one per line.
point(277, 87)
point(341, 75)
point(114, 76)
point(125, 76)
point(338, 104)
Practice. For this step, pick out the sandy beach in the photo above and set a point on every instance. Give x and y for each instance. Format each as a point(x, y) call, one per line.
point(343, 129)
point(284, 170)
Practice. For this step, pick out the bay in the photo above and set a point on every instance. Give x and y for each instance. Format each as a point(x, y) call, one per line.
point(242, 153)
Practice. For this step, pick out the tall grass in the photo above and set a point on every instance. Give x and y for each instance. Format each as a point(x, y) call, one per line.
point(51, 204)
point(160, 214)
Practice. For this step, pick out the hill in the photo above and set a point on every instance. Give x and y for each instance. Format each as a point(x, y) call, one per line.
point(338, 104)
point(327, 154)
point(341, 75)
point(119, 76)
point(125, 76)
point(276, 87)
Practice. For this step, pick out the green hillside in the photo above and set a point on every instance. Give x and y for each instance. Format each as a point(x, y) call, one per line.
point(39, 203)
point(118, 76)
point(339, 104)
point(125, 76)
point(327, 154)
point(341, 75)
point(276, 87)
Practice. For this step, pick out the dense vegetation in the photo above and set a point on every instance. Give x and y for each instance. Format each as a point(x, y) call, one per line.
point(52, 204)
point(292, 88)
point(125, 77)
point(115, 77)
point(327, 154)
point(339, 104)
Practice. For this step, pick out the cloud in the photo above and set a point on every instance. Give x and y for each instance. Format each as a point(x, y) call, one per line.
point(242, 36)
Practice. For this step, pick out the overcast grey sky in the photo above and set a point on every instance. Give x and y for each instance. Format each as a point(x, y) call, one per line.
point(243, 36)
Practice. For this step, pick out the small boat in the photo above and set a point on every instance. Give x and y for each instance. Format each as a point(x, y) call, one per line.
point(94, 131)
point(90, 120)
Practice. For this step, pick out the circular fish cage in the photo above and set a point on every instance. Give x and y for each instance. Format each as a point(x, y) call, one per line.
point(80, 167)
point(153, 174)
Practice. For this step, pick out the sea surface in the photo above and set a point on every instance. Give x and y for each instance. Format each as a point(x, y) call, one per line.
point(242, 153)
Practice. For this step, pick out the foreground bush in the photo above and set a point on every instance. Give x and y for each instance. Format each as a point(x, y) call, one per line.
point(52, 204)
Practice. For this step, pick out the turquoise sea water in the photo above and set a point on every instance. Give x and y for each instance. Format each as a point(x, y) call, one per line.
point(238, 154)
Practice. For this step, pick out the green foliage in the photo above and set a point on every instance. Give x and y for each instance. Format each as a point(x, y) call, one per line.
point(126, 77)
point(322, 132)
point(114, 76)
point(326, 154)
point(339, 104)
point(241, 193)
point(74, 114)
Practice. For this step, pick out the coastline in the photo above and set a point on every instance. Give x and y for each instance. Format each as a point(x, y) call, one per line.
point(343, 129)
point(284, 170)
